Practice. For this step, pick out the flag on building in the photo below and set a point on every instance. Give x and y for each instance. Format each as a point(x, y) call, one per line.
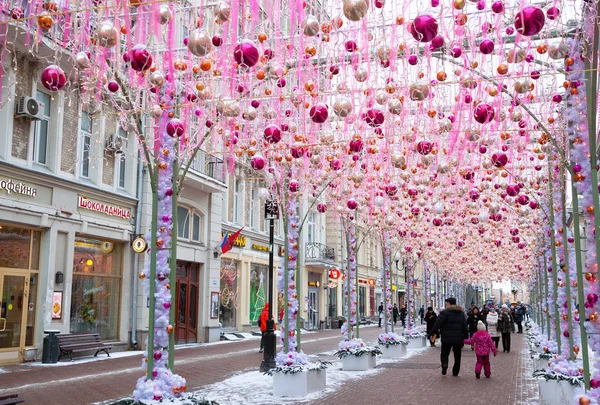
point(229, 240)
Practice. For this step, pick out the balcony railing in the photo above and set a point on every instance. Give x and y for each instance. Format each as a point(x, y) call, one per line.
point(319, 251)
point(209, 165)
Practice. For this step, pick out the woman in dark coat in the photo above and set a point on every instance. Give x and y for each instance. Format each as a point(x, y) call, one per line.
point(431, 318)
point(472, 320)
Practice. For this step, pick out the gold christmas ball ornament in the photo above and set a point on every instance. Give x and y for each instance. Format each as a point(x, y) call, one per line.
point(107, 35)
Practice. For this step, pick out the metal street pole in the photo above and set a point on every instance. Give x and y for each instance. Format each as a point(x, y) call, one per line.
point(271, 213)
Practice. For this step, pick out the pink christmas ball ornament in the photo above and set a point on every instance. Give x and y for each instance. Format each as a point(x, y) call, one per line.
point(374, 117)
point(272, 134)
point(113, 87)
point(246, 54)
point(423, 28)
point(53, 78)
point(140, 58)
point(553, 13)
point(499, 159)
point(322, 208)
point(319, 113)
point(424, 147)
point(486, 47)
point(175, 127)
point(352, 204)
point(258, 162)
point(356, 145)
point(483, 113)
point(529, 21)
point(16, 13)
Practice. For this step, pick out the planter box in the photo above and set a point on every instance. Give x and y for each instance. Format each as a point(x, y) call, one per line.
point(417, 343)
point(393, 351)
point(360, 363)
point(299, 384)
point(555, 392)
point(540, 364)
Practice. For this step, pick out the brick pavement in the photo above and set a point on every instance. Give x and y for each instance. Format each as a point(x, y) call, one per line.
point(418, 379)
point(415, 379)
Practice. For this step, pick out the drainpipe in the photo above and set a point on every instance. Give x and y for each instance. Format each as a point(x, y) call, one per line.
point(136, 261)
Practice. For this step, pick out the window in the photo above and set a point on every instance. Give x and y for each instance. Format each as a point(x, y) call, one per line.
point(121, 170)
point(253, 209)
point(42, 130)
point(96, 290)
point(237, 201)
point(86, 138)
point(311, 227)
point(190, 222)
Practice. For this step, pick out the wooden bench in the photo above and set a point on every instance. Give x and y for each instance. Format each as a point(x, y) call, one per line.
point(11, 399)
point(81, 342)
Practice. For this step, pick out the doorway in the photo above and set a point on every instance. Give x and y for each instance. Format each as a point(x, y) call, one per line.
point(313, 308)
point(14, 301)
point(186, 302)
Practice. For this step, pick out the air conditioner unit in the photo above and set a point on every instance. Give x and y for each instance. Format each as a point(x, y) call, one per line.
point(29, 107)
point(116, 144)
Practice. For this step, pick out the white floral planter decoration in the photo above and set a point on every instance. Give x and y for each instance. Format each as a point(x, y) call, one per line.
point(555, 392)
point(299, 384)
point(359, 363)
point(393, 351)
point(417, 343)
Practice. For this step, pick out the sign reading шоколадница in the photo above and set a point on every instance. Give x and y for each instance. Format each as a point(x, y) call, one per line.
point(110, 210)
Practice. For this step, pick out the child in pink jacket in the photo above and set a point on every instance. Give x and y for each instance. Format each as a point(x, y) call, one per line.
point(483, 344)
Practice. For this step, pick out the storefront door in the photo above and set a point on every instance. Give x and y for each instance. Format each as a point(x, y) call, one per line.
point(14, 294)
point(313, 309)
point(186, 310)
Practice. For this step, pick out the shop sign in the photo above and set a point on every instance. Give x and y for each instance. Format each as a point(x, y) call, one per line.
point(261, 248)
point(313, 284)
point(371, 282)
point(139, 244)
point(18, 188)
point(109, 210)
point(331, 285)
point(281, 250)
point(240, 241)
point(334, 274)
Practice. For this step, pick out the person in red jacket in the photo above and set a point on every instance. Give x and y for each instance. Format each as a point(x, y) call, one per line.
point(262, 323)
point(483, 345)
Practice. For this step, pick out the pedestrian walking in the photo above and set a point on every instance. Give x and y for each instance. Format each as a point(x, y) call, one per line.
point(262, 324)
point(472, 320)
point(430, 320)
point(483, 345)
point(403, 313)
point(452, 322)
point(395, 314)
point(380, 311)
point(492, 326)
point(519, 315)
point(422, 313)
point(505, 327)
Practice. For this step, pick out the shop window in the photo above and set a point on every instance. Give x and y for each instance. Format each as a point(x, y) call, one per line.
point(96, 290)
point(229, 293)
point(311, 227)
point(332, 302)
point(33, 291)
point(18, 249)
point(259, 290)
point(121, 162)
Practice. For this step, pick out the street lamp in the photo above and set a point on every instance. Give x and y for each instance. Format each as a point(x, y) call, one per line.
point(271, 214)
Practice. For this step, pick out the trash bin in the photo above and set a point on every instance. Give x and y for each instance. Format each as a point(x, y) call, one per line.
point(50, 350)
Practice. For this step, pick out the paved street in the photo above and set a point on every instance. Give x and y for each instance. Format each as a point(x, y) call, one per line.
point(415, 379)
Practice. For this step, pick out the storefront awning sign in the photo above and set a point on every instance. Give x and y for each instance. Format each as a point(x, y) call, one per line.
point(334, 274)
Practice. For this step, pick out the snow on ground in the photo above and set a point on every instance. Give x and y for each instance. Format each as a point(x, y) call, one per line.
point(254, 387)
point(86, 359)
point(2, 371)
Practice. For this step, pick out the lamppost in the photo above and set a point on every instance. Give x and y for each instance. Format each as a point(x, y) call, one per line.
point(271, 214)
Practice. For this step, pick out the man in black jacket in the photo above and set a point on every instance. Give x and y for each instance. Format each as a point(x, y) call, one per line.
point(453, 325)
